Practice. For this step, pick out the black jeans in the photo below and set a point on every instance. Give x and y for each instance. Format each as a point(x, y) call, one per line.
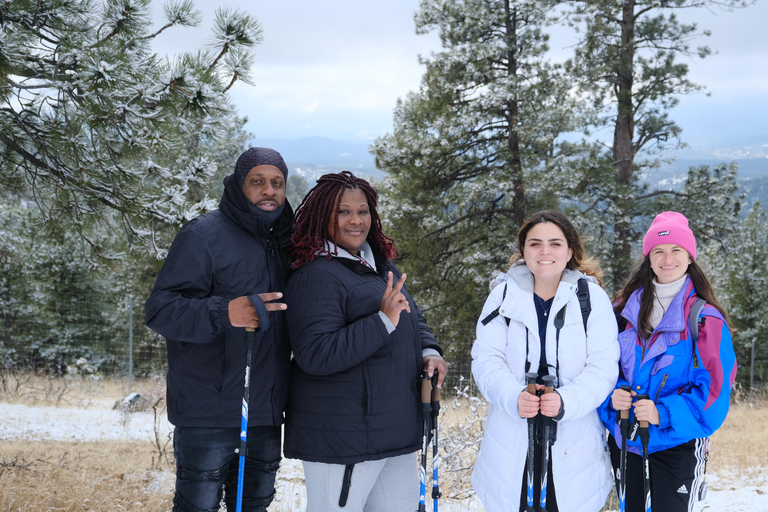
point(676, 476)
point(206, 465)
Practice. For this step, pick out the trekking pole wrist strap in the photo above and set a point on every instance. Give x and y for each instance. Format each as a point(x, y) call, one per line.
point(261, 311)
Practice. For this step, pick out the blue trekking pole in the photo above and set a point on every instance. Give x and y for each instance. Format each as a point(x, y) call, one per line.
point(250, 335)
point(531, 382)
point(548, 381)
point(624, 429)
point(426, 414)
point(436, 494)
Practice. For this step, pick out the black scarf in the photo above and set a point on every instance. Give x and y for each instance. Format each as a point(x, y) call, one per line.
point(278, 231)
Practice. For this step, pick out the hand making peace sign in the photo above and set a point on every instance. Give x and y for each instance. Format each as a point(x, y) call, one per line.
point(394, 301)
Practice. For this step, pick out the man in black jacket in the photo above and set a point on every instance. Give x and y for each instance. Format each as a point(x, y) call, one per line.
point(218, 264)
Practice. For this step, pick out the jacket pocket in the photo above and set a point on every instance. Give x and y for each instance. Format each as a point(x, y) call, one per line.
point(663, 362)
point(366, 390)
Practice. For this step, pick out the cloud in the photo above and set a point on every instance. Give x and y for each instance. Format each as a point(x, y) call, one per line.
point(337, 68)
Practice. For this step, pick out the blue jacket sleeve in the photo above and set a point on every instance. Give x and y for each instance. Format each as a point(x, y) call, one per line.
point(179, 306)
point(701, 409)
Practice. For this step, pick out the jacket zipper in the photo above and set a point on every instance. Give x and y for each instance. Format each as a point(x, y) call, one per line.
point(663, 381)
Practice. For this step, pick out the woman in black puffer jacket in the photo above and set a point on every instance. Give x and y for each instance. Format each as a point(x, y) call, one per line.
point(359, 344)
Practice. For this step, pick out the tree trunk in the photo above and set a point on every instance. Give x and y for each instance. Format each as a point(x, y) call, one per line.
point(512, 114)
point(623, 149)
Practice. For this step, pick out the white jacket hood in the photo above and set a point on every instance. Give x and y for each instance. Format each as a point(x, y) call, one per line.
point(520, 275)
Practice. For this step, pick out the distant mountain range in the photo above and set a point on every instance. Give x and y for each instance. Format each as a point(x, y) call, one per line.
point(750, 154)
point(312, 157)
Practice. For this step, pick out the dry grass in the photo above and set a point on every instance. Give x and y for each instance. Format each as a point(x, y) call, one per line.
point(73, 391)
point(84, 477)
point(741, 445)
point(462, 423)
point(132, 476)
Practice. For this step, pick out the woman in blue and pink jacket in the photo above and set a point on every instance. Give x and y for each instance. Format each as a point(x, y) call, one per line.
point(688, 382)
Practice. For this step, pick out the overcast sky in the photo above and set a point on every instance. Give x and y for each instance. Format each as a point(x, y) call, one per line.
point(336, 68)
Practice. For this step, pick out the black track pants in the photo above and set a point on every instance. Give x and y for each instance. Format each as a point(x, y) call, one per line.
point(676, 476)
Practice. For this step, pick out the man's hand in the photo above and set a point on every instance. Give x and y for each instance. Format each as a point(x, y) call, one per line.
point(434, 362)
point(243, 314)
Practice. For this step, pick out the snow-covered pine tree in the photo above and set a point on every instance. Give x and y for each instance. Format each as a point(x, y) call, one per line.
point(468, 150)
point(111, 148)
point(92, 121)
point(628, 61)
point(56, 306)
point(739, 270)
point(54, 310)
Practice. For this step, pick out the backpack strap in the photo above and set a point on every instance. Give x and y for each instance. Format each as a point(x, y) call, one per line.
point(559, 323)
point(493, 314)
point(584, 303)
point(693, 326)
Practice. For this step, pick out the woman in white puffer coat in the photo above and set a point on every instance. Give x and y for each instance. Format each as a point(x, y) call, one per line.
point(544, 277)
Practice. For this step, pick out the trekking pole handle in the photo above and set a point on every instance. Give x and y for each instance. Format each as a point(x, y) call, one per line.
point(549, 383)
point(435, 390)
point(250, 329)
point(426, 388)
point(530, 380)
point(625, 412)
point(643, 423)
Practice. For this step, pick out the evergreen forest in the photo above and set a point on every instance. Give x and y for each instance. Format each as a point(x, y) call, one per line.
point(107, 148)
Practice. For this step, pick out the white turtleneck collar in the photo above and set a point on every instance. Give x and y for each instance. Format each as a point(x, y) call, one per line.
point(663, 295)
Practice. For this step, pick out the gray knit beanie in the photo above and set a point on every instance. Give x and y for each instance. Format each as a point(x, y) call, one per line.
point(258, 156)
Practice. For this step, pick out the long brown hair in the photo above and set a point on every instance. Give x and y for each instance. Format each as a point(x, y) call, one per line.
point(579, 261)
point(320, 205)
point(643, 275)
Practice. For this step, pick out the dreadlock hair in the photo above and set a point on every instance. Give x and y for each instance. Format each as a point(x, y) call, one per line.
point(643, 276)
point(317, 208)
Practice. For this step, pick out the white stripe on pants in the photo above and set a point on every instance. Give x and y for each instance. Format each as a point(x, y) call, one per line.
point(387, 485)
point(698, 475)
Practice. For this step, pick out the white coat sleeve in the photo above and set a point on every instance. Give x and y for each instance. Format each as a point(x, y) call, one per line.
point(591, 387)
point(493, 375)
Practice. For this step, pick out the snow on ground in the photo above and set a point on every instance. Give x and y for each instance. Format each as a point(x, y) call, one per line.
point(732, 493)
point(728, 491)
point(74, 424)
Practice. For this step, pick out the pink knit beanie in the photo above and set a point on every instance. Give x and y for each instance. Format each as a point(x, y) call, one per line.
point(670, 228)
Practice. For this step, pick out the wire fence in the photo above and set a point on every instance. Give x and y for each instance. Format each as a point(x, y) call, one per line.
point(77, 335)
point(81, 335)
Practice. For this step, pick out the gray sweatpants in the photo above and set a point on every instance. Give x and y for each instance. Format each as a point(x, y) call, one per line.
point(388, 485)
